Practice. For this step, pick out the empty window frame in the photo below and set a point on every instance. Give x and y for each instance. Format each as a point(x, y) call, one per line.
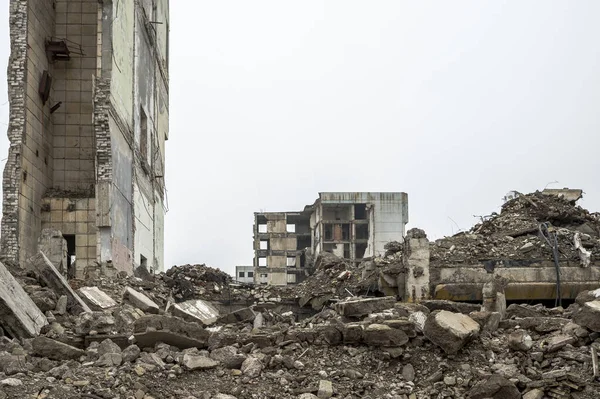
point(262, 228)
point(362, 231)
point(290, 228)
point(360, 251)
point(328, 232)
point(264, 244)
point(291, 261)
point(360, 211)
point(291, 278)
point(347, 251)
point(241, 274)
point(250, 274)
point(262, 262)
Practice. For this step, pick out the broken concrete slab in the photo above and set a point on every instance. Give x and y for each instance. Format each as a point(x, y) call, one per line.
point(495, 387)
point(19, 316)
point(488, 321)
point(557, 342)
point(150, 338)
point(51, 277)
point(244, 314)
point(589, 315)
point(140, 301)
point(383, 335)
point(450, 306)
point(96, 298)
point(358, 307)
point(55, 350)
point(450, 331)
point(196, 310)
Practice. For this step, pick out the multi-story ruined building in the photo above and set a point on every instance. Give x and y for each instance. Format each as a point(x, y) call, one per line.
point(350, 225)
point(88, 91)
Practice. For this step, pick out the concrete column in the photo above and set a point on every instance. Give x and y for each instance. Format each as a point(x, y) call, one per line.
point(416, 262)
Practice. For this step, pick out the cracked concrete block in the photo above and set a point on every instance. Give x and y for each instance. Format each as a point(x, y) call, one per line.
point(19, 316)
point(196, 310)
point(140, 301)
point(96, 298)
point(48, 274)
point(450, 331)
point(357, 307)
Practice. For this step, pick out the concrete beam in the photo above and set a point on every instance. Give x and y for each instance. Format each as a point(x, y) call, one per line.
point(19, 316)
point(48, 274)
point(96, 298)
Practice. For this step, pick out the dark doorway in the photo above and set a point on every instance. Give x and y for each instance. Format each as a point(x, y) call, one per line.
point(70, 238)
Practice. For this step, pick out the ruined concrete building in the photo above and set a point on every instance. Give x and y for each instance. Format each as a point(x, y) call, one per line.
point(88, 91)
point(350, 225)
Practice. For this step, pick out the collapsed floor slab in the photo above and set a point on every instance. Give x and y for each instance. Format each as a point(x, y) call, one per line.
point(19, 316)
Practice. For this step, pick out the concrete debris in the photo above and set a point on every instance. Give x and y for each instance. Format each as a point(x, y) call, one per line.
point(520, 340)
point(19, 316)
point(259, 341)
point(495, 387)
point(450, 331)
point(588, 315)
point(196, 310)
point(515, 230)
point(96, 299)
point(363, 306)
point(48, 274)
point(140, 301)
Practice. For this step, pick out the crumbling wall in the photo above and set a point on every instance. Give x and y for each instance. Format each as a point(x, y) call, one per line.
point(74, 134)
point(16, 75)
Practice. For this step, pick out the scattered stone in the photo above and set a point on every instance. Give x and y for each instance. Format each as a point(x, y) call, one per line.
point(408, 372)
point(450, 331)
point(520, 340)
point(325, 389)
point(252, 367)
point(55, 350)
point(11, 382)
point(534, 394)
point(197, 362)
point(495, 387)
point(589, 315)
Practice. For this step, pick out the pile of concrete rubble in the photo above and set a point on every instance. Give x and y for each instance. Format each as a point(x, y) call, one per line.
point(516, 233)
point(146, 337)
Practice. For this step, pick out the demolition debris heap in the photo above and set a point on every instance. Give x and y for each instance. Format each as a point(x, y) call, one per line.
point(193, 333)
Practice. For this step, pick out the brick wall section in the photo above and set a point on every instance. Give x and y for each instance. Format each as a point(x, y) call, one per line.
point(37, 154)
point(102, 129)
point(16, 129)
point(76, 21)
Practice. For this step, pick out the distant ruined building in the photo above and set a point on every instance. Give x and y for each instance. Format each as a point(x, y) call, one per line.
point(350, 225)
point(89, 116)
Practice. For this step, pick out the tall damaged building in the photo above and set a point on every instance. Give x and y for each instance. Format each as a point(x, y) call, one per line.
point(350, 225)
point(89, 117)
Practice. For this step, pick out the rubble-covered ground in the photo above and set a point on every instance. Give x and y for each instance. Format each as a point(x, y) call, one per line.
point(353, 348)
point(515, 233)
point(193, 333)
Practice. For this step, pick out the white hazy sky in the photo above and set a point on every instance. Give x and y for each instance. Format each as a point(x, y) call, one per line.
point(455, 103)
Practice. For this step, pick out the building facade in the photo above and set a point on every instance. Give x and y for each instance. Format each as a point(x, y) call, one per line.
point(350, 225)
point(244, 274)
point(89, 117)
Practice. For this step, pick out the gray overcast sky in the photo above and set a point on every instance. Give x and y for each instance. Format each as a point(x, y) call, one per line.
point(455, 103)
